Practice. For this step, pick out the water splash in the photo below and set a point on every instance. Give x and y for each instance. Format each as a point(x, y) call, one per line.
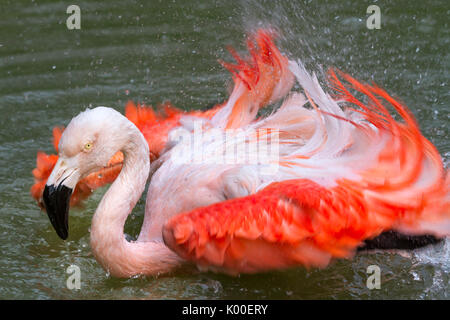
point(437, 255)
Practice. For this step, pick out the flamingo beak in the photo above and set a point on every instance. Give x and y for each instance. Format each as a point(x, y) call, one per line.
point(57, 192)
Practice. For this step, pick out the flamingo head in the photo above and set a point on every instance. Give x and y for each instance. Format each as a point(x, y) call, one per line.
point(87, 144)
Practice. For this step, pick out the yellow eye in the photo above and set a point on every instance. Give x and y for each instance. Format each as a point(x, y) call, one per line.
point(88, 146)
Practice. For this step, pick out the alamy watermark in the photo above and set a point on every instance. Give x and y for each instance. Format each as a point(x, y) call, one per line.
point(374, 20)
point(74, 280)
point(74, 20)
point(374, 280)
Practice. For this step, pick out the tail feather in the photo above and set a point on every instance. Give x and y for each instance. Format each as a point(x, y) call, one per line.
point(408, 177)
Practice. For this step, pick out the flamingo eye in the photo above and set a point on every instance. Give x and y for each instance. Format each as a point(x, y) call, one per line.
point(88, 146)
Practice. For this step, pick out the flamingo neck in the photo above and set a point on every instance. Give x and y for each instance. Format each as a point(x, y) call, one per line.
point(118, 256)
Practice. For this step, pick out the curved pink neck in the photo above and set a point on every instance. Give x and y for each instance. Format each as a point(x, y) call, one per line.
point(118, 256)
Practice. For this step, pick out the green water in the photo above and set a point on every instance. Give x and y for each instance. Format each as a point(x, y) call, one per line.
point(155, 51)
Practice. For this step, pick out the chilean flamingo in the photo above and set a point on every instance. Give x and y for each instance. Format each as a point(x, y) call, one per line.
point(347, 173)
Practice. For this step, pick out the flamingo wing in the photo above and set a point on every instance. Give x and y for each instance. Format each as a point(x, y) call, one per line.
point(258, 81)
point(296, 222)
point(351, 181)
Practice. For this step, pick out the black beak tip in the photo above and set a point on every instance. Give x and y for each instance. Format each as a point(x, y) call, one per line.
point(56, 202)
point(63, 234)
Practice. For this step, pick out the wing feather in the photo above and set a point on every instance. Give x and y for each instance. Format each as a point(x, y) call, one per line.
point(296, 222)
point(401, 185)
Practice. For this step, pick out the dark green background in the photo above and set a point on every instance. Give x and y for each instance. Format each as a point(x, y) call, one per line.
point(152, 51)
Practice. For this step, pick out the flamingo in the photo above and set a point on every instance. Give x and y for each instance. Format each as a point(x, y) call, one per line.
point(346, 172)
